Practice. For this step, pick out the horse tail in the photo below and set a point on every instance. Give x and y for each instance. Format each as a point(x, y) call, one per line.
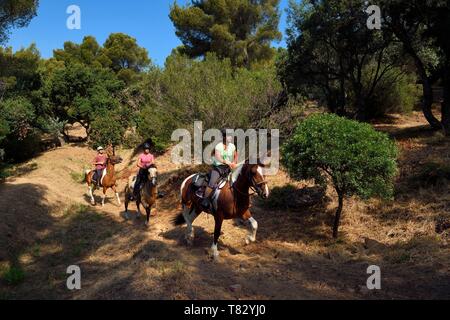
point(86, 173)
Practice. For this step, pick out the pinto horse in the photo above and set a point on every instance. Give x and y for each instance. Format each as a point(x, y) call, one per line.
point(147, 196)
point(108, 179)
point(233, 202)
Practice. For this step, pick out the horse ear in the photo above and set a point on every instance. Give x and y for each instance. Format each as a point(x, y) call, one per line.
point(110, 150)
point(265, 160)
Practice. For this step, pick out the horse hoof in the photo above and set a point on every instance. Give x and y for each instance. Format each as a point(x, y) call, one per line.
point(127, 216)
point(249, 240)
point(189, 242)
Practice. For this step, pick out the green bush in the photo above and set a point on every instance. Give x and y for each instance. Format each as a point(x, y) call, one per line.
point(211, 91)
point(108, 128)
point(13, 275)
point(397, 92)
point(355, 158)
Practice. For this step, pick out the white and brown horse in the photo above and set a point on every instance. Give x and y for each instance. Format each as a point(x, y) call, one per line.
point(233, 202)
point(107, 181)
point(147, 196)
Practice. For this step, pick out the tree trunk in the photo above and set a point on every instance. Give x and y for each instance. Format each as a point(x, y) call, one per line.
point(422, 73)
point(427, 103)
point(337, 218)
point(446, 102)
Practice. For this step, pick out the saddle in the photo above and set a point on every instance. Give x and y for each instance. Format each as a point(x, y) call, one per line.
point(201, 180)
point(99, 179)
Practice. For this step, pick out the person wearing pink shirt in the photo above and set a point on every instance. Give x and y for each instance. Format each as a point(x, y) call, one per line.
point(145, 161)
point(100, 165)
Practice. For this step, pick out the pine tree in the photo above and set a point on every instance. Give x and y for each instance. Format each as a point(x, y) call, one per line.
point(241, 30)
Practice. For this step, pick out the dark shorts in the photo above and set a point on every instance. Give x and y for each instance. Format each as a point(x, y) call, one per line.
point(98, 174)
point(216, 174)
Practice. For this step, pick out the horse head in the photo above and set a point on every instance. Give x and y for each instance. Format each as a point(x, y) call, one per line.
point(153, 174)
point(115, 160)
point(256, 179)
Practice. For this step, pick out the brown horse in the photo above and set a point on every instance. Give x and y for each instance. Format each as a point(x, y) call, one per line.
point(233, 202)
point(108, 180)
point(147, 196)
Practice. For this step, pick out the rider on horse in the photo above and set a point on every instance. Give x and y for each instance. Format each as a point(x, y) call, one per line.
point(145, 161)
point(224, 160)
point(100, 165)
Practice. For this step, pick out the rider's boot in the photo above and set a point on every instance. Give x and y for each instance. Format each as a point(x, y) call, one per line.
point(206, 200)
point(136, 191)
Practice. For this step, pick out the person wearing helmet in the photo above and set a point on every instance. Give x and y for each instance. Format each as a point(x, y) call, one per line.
point(100, 165)
point(145, 161)
point(224, 160)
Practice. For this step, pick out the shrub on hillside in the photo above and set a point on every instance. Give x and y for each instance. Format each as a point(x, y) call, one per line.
point(397, 92)
point(352, 156)
point(211, 91)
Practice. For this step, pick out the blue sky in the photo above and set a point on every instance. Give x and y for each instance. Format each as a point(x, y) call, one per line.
point(146, 20)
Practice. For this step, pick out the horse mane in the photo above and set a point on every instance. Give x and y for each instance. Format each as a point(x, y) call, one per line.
point(237, 172)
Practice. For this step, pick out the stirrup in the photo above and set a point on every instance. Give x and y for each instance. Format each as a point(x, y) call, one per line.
point(206, 203)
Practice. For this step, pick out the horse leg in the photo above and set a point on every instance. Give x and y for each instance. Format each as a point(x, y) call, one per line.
point(104, 197)
point(189, 215)
point(91, 194)
point(138, 205)
point(127, 202)
point(217, 229)
point(251, 237)
point(117, 194)
point(148, 211)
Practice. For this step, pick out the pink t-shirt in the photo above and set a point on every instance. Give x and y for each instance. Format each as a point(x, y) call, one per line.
point(146, 160)
point(100, 158)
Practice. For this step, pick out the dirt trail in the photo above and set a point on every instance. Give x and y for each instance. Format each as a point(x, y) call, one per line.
point(48, 224)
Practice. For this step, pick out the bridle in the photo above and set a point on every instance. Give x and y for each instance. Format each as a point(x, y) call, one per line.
point(254, 186)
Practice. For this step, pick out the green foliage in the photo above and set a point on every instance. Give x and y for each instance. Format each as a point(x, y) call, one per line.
point(356, 159)
point(53, 126)
point(334, 58)
point(13, 275)
point(396, 92)
point(19, 71)
point(239, 30)
point(77, 177)
point(15, 14)
point(17, 116)
point(4, 129)
point(80, 93)
point(120, 53)
point(359, 160)
point(125, 54)
point(211, 91)
point(108, 128)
